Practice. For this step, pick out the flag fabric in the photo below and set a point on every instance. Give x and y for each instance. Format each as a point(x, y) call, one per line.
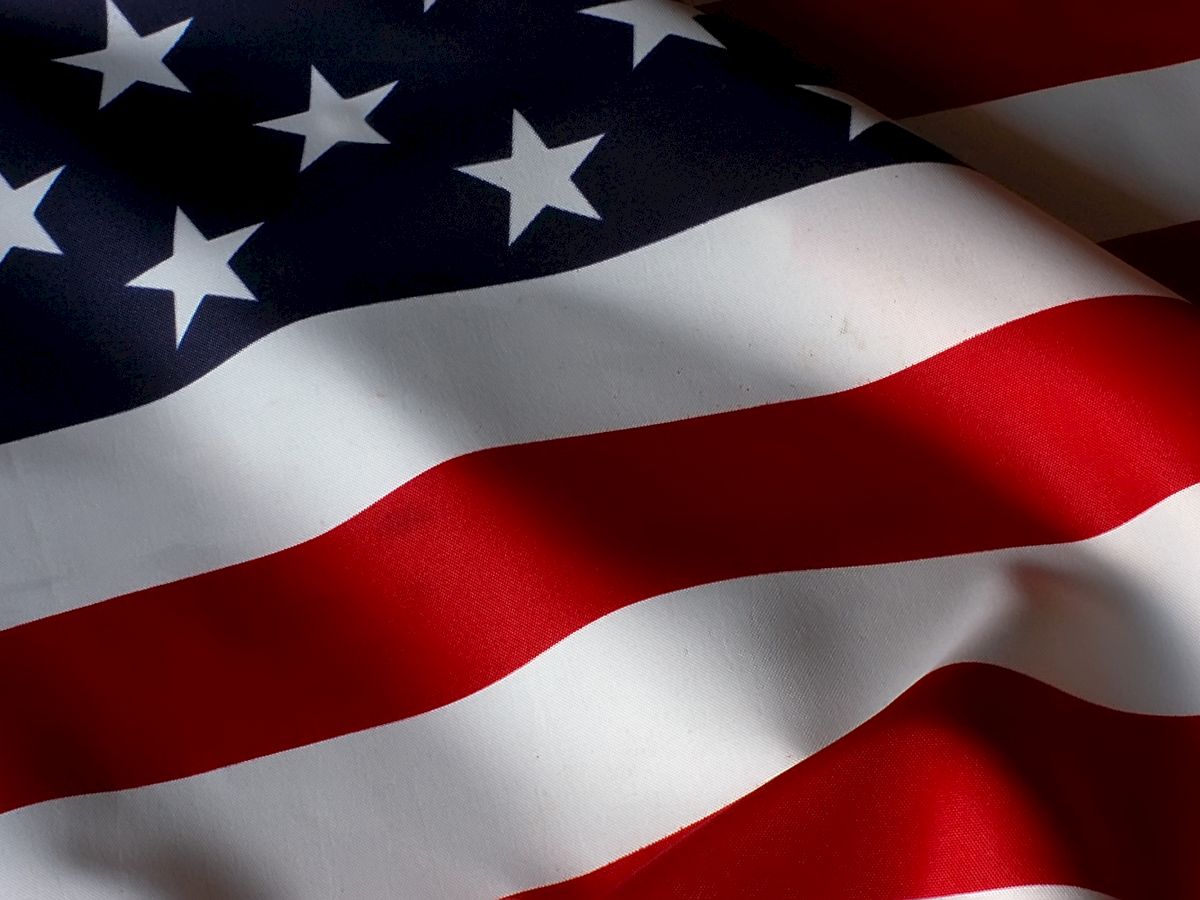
point(487, 447)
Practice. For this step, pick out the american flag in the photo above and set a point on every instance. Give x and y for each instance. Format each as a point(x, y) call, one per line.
point(466, 448)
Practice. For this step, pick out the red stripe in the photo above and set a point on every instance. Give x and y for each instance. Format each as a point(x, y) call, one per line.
point(1168, 255)
point(976, 778)
point(916, 57)
point(1052, 428)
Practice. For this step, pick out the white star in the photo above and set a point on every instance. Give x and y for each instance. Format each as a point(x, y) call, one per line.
point(18, 225)
point(652, 21)
point(197, 268)
point(536, 176)
point(331, 118)
point(129, 57)
point(862, 116)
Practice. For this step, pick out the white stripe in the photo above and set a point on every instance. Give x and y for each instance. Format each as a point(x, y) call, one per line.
point(1030, 892)
point(635, 726)
point(1110, 157)
point(820, 290)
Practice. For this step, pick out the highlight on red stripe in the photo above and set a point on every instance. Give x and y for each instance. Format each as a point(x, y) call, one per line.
point(976, 778)
point(912, 58)
point(1053, 428)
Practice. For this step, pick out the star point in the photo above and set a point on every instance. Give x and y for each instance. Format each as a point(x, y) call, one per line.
point(198, 267)
point(129, 57)
point(862, 116)
point(653, 21)
point(536, 176)
point(19, 226)
point(332, 119)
